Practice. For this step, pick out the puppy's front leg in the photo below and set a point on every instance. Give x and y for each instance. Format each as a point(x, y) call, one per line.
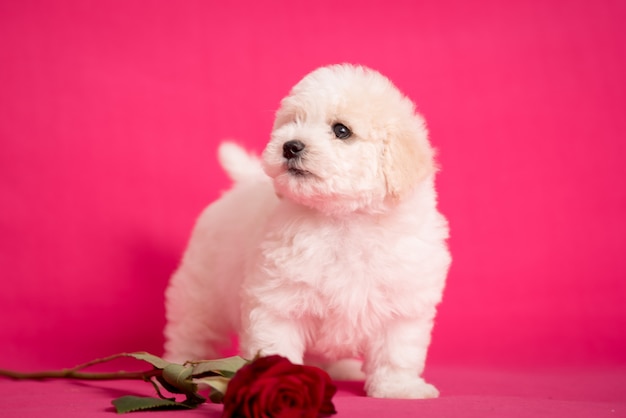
point(266, 332)
point(394, 362)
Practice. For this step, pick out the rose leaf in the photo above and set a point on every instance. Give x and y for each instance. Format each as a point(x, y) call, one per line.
point(179, 377)
point(226, 367)
point(137, 403)
point(157, 362)
point(218, 385)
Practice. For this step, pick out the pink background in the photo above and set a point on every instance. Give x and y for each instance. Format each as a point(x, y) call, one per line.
point(111, 111)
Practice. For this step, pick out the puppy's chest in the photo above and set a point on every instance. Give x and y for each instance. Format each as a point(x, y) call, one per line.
point(335, 269)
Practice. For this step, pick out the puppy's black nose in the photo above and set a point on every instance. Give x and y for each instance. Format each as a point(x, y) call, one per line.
point(293, 148)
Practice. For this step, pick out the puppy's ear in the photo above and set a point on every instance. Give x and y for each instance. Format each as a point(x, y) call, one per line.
point(407, 159)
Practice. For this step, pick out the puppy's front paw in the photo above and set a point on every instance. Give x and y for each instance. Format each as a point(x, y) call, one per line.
point(400, 387)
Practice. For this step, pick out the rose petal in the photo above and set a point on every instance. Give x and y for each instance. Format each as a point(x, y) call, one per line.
point(274, 387)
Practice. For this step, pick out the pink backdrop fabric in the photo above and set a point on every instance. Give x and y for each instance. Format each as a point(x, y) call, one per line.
point(111, 112)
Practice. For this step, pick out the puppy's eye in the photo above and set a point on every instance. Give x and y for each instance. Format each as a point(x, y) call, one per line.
point(341, 131)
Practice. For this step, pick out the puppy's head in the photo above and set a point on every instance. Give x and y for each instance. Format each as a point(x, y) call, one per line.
point(345, 140)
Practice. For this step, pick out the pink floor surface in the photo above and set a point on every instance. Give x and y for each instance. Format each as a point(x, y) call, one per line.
point(466, 392)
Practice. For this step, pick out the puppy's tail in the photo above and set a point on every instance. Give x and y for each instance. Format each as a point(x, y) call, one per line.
point(239, 164)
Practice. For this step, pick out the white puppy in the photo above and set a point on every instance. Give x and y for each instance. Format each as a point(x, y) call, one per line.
point(329, 248)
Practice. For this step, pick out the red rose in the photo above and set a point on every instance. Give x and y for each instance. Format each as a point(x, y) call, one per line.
point(274, 387)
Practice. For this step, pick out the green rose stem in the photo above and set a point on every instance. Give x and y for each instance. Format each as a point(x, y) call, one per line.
point(75, 373)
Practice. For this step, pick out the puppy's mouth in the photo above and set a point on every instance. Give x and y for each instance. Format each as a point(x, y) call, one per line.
point(296, 170)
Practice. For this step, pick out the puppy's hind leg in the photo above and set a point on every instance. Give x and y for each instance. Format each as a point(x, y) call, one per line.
point(196, 329)
point(347, 369)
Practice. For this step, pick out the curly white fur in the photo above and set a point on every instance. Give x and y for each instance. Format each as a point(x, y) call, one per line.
point(337, 253)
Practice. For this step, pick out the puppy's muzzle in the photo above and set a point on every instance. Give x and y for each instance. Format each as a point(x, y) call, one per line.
point(293, 149)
